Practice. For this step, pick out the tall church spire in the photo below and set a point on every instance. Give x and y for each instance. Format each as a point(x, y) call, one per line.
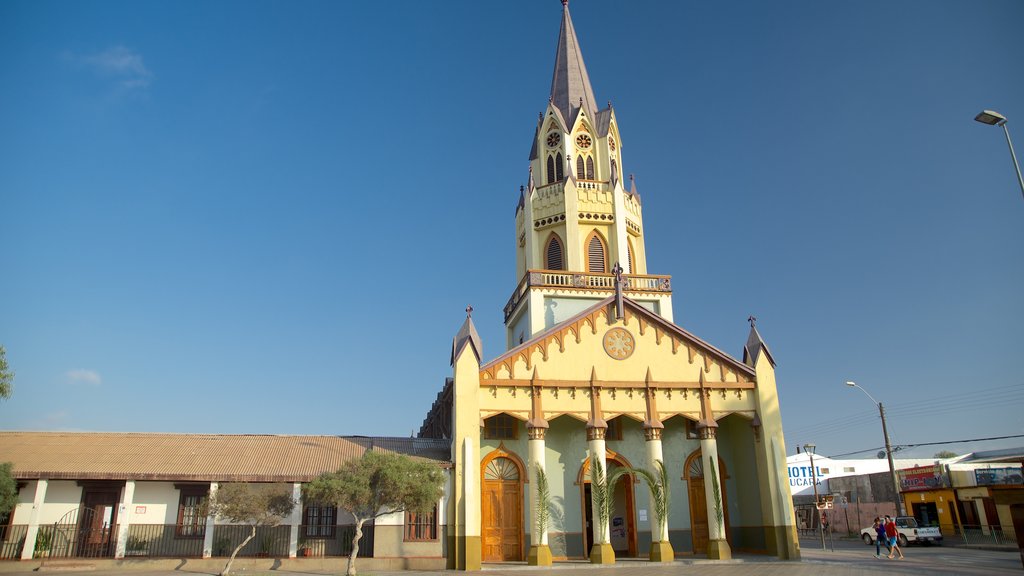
point(570, 84)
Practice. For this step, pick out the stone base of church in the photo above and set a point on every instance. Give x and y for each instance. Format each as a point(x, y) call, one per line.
point(602, 554)
point(471, 559)
point(782, 542)
point(719, 550)
point(662, 552)
point(540, 555)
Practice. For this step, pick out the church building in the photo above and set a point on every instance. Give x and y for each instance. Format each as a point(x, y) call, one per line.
point(598, 384)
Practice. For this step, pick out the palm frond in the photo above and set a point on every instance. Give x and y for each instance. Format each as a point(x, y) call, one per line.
point(543, 512)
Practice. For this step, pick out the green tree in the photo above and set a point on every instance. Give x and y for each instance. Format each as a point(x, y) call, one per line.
point(945, 454)
point(8, 488)
point(6, 376)
point(376, 485)
point(252, 504)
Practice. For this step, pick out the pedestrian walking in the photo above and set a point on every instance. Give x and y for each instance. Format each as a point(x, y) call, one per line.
point(894, 535)
point(880, 536)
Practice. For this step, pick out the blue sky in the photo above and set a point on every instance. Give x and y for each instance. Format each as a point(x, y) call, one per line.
point(268, 217)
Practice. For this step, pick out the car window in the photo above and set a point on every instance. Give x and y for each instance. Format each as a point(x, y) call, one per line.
point(906, 522)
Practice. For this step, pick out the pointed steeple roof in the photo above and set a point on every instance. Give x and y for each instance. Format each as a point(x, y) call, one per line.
point(754, 345)
point(467, 336)
point(570, 83)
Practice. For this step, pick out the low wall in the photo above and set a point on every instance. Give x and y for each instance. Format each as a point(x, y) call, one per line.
point(215, 565)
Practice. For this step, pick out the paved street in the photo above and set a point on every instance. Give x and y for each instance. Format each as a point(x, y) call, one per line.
point(851, 557)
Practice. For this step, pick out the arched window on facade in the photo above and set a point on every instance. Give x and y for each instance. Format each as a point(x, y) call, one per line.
point(590, 167)
point(551, 169)
point(580, 171)
point(597, 261)
point(553, 254)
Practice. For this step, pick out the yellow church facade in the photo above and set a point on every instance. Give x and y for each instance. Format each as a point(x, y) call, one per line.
point(598, 382)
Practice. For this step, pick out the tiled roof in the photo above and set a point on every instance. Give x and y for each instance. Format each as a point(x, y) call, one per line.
point(195, 457)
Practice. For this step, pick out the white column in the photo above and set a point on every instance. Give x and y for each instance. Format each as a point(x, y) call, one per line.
point(295, 520)
point(211, 522)
point(601, 531)
point(124, 518)
point(470, 490)
point(536, 460)
point(659, 526)
point(709, 452)
point(33, 520)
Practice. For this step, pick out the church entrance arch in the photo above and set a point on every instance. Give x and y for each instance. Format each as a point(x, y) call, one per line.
point(623, 518)
point(693, 473)
point(502, 507)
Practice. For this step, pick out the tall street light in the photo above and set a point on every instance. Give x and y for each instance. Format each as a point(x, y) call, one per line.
point(809, 448)
point(888, 450)
point(993, 118)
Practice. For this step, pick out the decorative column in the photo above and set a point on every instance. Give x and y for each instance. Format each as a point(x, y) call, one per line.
point(33, 520)
point(707, 429)
point(124, 516)
point(537, 427)
point(601, 552)
point(661, 548)
point(295, 520)
point(464, 543)
point(211, 523)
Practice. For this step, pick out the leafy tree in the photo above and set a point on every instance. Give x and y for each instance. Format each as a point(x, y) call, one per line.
point(252, 504)
point(945, 454)
point(376, 485)
point(8, 488)
point(6, 376)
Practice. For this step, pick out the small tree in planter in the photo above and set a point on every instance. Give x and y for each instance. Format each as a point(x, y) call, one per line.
point(255, 505)
point(376, 485)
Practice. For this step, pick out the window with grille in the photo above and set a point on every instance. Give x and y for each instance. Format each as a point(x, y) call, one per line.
point(320, 521)
point(596, 255)
point(559, 170)
point(580, 170)
point(629, 256)
point(551, 169)
point(615, 172)
point(191, 512)
point(420, 526)
point(590, 167)
point(553, 254)
point(501, 427)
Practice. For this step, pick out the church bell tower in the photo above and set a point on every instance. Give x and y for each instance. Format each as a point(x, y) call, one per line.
point(576, 220)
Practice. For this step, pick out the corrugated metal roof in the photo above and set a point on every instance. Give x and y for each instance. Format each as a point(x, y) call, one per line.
point(195, 457)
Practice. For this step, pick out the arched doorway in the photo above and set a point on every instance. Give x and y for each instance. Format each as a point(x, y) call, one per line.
point(693, 473)
point(502, 507)
point(623, 517)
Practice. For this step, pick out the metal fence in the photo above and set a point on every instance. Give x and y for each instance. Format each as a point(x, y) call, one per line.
point(992, 534)
point(166, 541)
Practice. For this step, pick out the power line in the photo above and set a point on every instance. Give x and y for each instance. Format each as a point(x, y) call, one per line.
point(929, 444)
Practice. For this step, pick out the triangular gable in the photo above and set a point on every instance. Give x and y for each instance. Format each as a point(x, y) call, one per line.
point(571, 327)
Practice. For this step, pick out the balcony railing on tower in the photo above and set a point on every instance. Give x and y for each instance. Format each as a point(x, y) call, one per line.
point(589, 281)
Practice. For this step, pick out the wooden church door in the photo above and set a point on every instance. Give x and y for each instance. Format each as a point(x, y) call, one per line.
point(699, 503)
point(502, 511)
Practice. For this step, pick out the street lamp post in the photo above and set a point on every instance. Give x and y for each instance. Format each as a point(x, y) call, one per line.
point(888, 450)
point(993, 118)
point(809, 448)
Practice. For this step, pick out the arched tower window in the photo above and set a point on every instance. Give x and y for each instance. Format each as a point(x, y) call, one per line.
point(597, 260)
point(553, 254)
point(615, 172)
point(590, 167)
point(551, 169)
point(580, 172)
point(632, 260)
point(559, 170)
